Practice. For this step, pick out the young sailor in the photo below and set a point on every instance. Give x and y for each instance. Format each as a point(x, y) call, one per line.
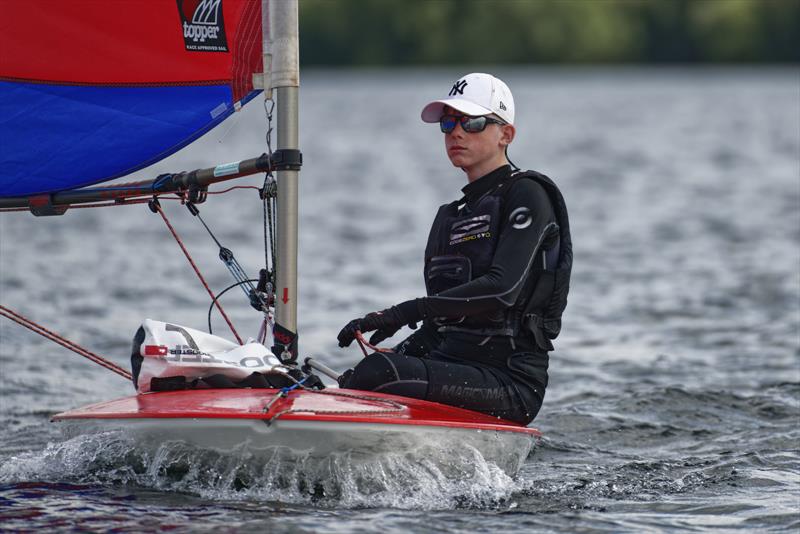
point(497, 267)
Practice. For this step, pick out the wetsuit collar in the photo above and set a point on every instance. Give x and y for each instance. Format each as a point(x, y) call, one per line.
point(486, 183)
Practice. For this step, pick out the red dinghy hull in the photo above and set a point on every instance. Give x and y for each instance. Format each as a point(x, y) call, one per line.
point(311, 423)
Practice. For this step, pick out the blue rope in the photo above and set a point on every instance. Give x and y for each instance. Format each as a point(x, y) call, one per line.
point(287, 389)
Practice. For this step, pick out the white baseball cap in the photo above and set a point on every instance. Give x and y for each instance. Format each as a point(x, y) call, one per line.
point(475, 94)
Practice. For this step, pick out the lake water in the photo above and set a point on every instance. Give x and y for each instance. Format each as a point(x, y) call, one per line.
point(674, 399)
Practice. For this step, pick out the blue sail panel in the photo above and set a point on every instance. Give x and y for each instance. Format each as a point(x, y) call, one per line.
point(58, 137)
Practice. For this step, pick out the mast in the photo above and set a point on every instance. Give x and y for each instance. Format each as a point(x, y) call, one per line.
point(281, 72)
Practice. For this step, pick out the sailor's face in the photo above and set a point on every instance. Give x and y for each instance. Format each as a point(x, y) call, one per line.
point(468, 150)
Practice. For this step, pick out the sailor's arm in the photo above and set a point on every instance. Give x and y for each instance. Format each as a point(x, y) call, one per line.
point(531, 222)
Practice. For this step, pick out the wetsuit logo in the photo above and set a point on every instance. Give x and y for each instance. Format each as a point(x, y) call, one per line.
point(460, 393)
point(202, 25)
point(521, 218)
point(470, 229)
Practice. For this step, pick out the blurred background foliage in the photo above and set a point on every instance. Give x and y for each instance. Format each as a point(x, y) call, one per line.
point(420, 32)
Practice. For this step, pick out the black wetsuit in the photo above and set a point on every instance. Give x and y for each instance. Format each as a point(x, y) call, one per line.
point(502, 375)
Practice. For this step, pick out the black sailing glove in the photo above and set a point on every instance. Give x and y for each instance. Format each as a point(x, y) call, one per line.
point(386, 323)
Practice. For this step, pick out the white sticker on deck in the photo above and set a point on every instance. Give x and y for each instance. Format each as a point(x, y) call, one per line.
point(226, 169)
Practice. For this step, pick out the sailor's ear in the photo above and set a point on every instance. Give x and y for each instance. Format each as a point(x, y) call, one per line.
point(508, 133)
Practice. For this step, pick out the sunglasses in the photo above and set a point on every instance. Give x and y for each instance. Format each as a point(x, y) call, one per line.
point(469, 124)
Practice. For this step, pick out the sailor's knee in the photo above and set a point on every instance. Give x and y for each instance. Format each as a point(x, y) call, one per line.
point(371, 372)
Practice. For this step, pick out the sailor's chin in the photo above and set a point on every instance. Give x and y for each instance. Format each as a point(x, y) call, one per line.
point(458, 159)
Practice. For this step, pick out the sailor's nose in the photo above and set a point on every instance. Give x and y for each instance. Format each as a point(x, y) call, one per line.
point(458, 131)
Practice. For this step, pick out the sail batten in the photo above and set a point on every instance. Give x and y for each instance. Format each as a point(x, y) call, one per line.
point(92, 91)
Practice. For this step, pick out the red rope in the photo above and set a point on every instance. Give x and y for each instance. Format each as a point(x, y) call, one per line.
point(234, 187)
point(362, 342)
point(197, 271)
point(52, 336)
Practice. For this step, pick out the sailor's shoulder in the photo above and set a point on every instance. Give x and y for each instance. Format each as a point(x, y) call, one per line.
point(548, 185)
point(517, 185)
point(529, 193)
point(448, 208)
point(454, 203)
point(530, 173)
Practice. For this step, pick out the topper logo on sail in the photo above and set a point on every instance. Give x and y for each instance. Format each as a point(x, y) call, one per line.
point(203, 26)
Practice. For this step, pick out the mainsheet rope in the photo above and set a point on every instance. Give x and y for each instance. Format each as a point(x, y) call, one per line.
point(64, 342)
point(364, 344)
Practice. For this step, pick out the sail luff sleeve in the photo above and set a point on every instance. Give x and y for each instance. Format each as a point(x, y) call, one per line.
point(91, 91)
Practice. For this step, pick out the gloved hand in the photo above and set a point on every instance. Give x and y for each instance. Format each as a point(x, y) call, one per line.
point(386, 323)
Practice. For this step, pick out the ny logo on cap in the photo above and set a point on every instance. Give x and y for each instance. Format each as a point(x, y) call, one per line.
point(458, 88)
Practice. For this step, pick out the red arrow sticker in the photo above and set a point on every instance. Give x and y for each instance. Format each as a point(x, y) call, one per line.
point(285, 295)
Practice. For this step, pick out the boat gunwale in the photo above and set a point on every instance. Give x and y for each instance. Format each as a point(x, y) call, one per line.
point(458, 417)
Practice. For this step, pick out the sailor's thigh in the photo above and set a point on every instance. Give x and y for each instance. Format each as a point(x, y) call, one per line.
point(420, 343)
point(473, 387)
point(388, 372)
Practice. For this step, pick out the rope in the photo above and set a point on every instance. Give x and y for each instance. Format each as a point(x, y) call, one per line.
point(270, 211)
point(269, 195)
point(295, 386)
point(236, 270)
point(214, 301)
point(395, 407)
point(232, 188)
point(362, 342)
point(157, 207)
point(52, 336)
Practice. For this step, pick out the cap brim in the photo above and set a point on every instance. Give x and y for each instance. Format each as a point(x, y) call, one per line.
point(434, 111)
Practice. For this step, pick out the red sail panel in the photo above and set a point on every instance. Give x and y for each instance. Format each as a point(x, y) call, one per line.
point(92, 90)
point(132, 42)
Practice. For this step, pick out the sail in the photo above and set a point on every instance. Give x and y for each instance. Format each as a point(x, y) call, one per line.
point(94, 90)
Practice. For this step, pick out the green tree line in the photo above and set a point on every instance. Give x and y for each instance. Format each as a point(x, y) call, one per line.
point(420, 32)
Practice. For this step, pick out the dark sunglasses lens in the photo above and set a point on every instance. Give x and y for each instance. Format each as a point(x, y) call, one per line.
point(447, 123)
point(473, 124)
